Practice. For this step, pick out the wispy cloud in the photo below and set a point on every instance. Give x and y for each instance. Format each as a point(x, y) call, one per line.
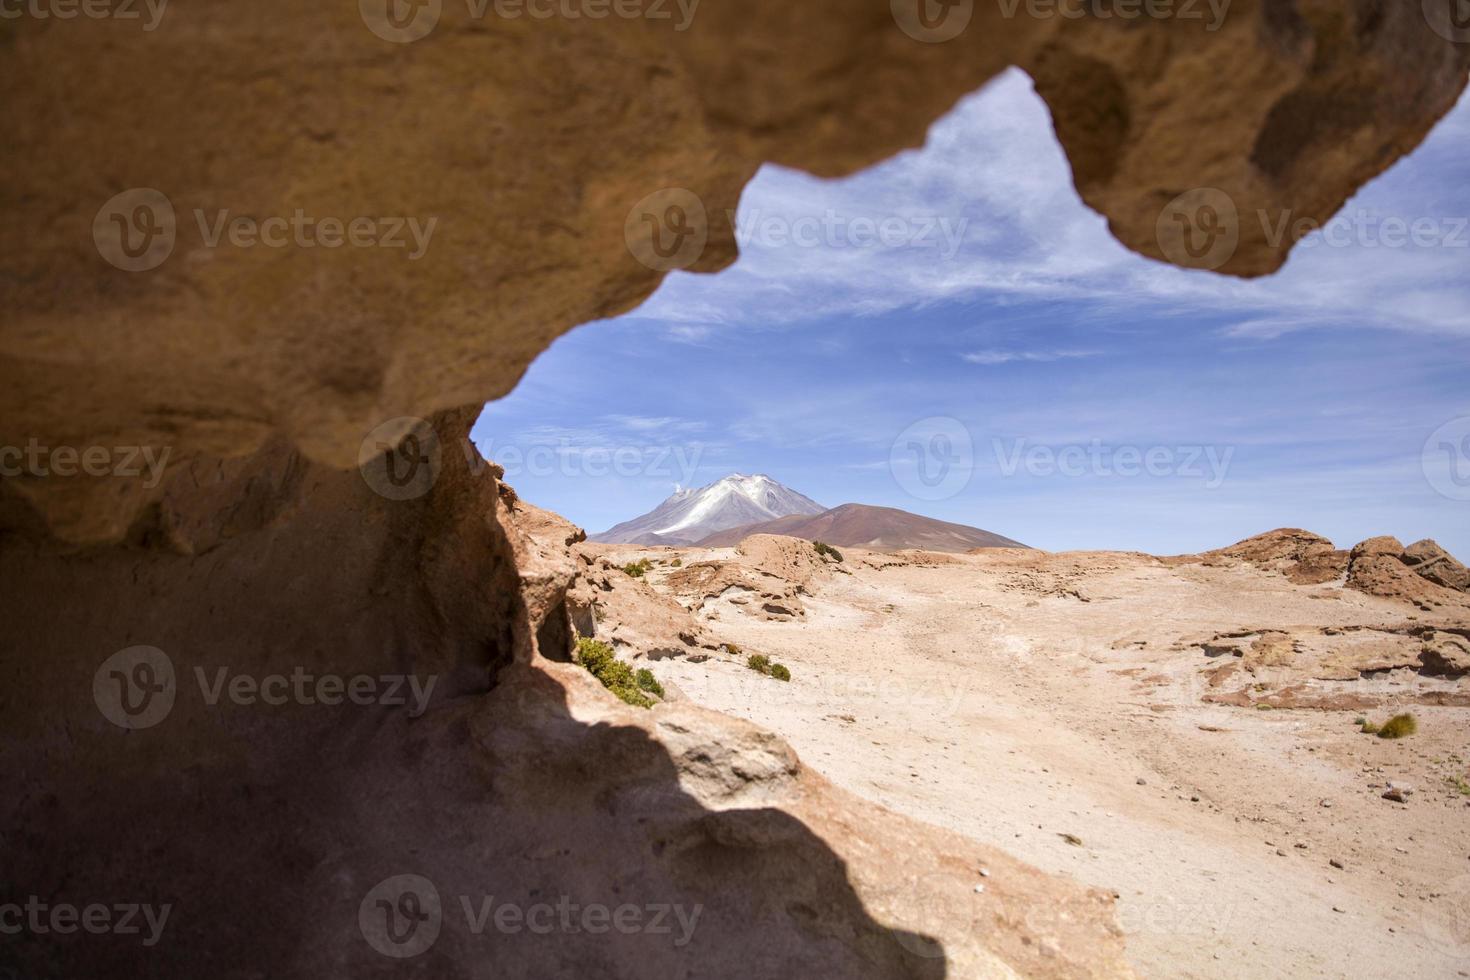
point(989, 357)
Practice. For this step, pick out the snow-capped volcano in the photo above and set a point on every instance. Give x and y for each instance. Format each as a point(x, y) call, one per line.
point(691, 515)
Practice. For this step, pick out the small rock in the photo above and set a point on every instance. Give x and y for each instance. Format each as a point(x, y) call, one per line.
point(985, 872)
point(1397, 793)
point(1327, 804)
point(979, 889)
point(1194, 799)
point(1337, 864)
point(1336, 909)
point(1141, 781)
point(1280, 852)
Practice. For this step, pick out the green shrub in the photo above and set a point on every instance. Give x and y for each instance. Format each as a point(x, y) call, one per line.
point(780, 672)
point(647, 682)
point(1368, 728)
point(734, 649)
point(1398, 726)
point(827, 551)
point(677, 563)
point(1360, 722)
point(597, 657)
point(637, 568)
point(593, 654)
point(759, 662)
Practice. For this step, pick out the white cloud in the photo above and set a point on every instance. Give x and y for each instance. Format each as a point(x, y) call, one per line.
point(994, 168)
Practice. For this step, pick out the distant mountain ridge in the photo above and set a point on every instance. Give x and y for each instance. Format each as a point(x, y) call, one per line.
point(874, 528)
point(690, 515)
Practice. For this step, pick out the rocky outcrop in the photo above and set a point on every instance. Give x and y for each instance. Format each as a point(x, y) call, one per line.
point(1381, 566)
point(1430, 561)
point(1303, 557)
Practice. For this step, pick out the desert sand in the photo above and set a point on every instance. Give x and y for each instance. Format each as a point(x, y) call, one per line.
point(1181, 732)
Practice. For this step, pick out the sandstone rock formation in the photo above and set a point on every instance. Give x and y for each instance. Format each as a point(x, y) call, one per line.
point(1281, 109)
point(1428, 577)
point(523, 154)
point(1303, 557)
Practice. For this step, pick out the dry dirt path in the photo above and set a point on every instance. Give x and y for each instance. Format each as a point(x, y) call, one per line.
point(985, 696)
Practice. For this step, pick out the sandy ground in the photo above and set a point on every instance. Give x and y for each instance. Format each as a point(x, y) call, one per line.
point(1020, 699)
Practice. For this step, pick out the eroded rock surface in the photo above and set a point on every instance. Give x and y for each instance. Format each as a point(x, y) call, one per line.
point(227, 111)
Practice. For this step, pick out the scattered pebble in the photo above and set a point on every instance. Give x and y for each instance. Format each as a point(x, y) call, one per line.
point(1337, 864)
point(979, 889)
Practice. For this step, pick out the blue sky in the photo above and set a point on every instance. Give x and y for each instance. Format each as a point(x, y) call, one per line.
point(991, 356)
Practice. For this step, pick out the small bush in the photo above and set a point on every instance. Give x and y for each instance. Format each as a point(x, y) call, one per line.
point(677, 563)
point(1459, 785)
point(1360, 722)
point(734, 649)
point(1398, 726)
point(1368, 728)
point(647, 682)
point(759, 662)
point(827, 551)
point(780, 672)
point(638, 568)
point(597, 657)
point(593, 654)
